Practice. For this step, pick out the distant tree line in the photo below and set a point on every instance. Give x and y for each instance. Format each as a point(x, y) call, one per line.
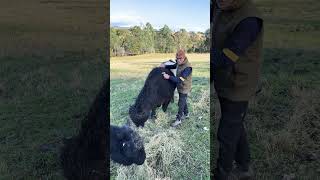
point(141, 40)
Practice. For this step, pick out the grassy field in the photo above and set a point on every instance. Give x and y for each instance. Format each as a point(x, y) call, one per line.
point(50, 73)
point(283, 120)
point(42, 100)
point(51, 27)
point(181, 153)
point(51, 67)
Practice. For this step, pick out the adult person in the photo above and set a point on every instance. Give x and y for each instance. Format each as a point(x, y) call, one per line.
point(236, 56)
point(183, 79)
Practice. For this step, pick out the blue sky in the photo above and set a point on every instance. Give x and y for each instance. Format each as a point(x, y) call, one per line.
point(192, 15)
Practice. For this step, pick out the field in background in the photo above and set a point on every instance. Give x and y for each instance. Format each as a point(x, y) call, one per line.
point(52, 27)
point(181, 153)
point(283, 120)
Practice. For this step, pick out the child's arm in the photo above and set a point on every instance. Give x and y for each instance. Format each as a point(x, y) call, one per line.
point(184, 74)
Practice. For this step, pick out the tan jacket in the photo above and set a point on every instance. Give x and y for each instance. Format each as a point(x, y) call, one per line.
point(185, 86)
point(240, 82)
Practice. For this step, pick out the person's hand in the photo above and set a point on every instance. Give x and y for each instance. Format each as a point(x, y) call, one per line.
point(165, 75)
point(162, 65)
point(220, 60)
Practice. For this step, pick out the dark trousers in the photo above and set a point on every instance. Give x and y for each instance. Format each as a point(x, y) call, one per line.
point(182, 104)
point(233, 143)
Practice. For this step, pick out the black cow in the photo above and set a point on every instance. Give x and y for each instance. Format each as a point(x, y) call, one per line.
point(126, 146)
point(156, 92)
point(85, 155)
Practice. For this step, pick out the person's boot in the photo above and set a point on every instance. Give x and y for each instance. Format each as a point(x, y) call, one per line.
point(177, 122)
point(242, 173)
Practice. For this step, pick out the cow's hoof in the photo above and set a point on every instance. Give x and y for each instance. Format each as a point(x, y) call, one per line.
point(153, 117)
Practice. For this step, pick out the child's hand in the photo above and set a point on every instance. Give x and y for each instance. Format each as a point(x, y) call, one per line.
point(165, 75)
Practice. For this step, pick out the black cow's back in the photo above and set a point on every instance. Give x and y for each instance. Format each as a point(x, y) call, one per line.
point(155, 82)
point(156, 92)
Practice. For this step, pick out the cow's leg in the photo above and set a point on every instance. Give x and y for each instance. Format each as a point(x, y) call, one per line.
point(165, 105)
point(153, 113)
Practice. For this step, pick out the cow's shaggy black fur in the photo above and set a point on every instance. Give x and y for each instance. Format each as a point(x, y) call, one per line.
point(126, 146)
point(156, 92)
point(85, 155)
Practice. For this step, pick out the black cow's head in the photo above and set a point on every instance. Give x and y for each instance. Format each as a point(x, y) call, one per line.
point(138, 117)
point(126, 146)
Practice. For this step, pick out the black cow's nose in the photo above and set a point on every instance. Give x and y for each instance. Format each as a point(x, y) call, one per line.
point(140, 162)
point(141, 158)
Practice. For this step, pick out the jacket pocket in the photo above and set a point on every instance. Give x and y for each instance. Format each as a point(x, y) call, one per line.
point(224, 77)
point(240, 76)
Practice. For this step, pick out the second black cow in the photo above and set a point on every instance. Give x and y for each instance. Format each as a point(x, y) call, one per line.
point(156, 92)
point(126, 146)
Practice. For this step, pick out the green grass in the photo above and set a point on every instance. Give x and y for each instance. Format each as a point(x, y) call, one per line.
point(41, 101)
point(45, 27)
point(283, 120)
point(50, 72)
point(291, 23)
point(181, 153)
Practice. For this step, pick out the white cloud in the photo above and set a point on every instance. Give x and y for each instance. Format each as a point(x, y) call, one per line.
point(189, 27)
point(130, 19)
point(126, 20)
point(196, 29)
point(201, 28)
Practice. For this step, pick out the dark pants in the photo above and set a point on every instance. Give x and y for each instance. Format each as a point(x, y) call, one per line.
point(182, 104)
point(233, 143)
